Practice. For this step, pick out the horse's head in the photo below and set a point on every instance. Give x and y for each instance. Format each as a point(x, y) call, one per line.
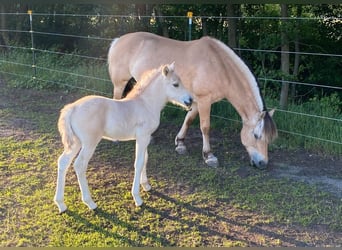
point(175, 90)
point(256, 135)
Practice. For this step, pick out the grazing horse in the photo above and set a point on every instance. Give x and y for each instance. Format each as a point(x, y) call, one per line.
point(211, 71)
point(84, 123)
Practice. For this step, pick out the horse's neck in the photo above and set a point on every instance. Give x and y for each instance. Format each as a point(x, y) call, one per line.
point(153, 98)
point(247, 101)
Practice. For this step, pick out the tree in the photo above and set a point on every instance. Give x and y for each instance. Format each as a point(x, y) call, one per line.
point(285, 58)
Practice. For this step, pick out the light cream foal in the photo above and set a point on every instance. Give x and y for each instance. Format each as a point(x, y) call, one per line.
point(85, 122)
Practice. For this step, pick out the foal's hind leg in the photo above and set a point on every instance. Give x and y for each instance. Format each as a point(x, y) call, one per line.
point(179, 141)
point(80, 166)
point(64, 162)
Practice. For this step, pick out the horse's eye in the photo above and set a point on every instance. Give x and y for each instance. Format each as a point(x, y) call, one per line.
point(257, 137)
point(176, 85)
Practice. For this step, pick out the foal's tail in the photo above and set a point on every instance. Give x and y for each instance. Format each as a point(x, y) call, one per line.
point(64, 127)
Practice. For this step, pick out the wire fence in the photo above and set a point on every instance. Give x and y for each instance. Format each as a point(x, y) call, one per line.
point(36, 64)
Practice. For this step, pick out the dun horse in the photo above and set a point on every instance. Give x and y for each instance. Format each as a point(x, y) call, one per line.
point(83, 123)
point(211, 71)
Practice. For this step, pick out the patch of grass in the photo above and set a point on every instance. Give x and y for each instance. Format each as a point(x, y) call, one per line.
point(190, 204)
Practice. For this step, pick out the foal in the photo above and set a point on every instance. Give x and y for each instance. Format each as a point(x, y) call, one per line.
point(85, 122)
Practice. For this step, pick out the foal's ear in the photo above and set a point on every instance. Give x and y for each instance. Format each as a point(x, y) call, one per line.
point(165, 70)
point(168, 68)
point(172, 66)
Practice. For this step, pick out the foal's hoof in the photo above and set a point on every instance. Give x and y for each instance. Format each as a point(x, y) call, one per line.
point(181, 149)
point(211, 160)
point(147, 187)
point(61, 207)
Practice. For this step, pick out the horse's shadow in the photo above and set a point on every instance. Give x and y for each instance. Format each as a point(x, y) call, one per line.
point(162, 239)
point(116, 221)
point(205, 212)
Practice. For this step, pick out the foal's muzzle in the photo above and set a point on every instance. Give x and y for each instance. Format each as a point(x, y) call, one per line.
point(188, 102)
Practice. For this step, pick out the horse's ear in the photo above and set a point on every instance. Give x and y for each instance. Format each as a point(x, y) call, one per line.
point(262, 116)
point(165, 70)
point(271, 112)
point(172, 66)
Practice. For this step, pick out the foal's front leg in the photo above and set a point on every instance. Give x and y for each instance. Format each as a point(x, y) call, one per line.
point(143, 179)
point(140, 167)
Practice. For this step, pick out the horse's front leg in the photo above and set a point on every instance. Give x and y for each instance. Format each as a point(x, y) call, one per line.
point(143, 179)
point(189, 118)
point(204, 108)
point(140, 154)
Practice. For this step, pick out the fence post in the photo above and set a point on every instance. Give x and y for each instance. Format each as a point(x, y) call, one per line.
point(189, 14)
point(32, 46)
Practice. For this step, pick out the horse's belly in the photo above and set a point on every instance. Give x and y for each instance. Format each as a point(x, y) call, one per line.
point(120, 134)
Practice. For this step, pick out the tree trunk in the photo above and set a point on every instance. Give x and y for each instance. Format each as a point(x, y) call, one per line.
point(297, 50)
point(232, 25)
point(3, 35)
point(161, 20)
point(285, 58)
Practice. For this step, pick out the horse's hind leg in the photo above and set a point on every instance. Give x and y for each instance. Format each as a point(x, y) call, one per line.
point(64, 162)
point(80, 166)
point(119, 88)
point(179, 141)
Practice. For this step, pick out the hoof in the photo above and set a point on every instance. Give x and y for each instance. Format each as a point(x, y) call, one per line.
point(61, 207)
point(181, 149)
point(92, 205)
point(147, 187)
point(180, 146)
point(138, 203)
point(211, 161)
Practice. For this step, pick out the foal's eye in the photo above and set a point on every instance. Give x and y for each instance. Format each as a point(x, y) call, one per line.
point(176, 85)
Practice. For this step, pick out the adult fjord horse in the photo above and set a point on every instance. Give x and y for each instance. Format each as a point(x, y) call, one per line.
point(84, 123)
point(211, 71)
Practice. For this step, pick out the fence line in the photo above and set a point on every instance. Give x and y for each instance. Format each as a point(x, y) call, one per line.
point(33, 32)
point(158, 16)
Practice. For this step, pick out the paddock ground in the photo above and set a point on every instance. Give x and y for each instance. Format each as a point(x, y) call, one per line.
point(297, 201)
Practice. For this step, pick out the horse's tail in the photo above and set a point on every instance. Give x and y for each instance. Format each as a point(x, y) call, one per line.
point(65, 127)
point(109, 57)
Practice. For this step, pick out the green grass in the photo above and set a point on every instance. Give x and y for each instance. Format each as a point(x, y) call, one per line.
point(190, 205)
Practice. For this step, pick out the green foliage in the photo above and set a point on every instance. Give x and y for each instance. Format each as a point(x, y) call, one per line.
point(56, 71)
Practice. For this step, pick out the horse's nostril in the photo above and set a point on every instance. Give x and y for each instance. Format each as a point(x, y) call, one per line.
point(189, 102)
point(260, 164)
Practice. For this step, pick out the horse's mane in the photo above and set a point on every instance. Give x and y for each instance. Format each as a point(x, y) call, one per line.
point(146, 78)
point(270, 128)
point(245, 69)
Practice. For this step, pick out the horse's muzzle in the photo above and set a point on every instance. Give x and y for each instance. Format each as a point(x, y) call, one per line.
point(259, 164)
point(188, 103)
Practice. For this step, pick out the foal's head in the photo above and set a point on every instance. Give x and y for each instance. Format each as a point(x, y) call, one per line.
point(256, 135)
point(175, 90)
